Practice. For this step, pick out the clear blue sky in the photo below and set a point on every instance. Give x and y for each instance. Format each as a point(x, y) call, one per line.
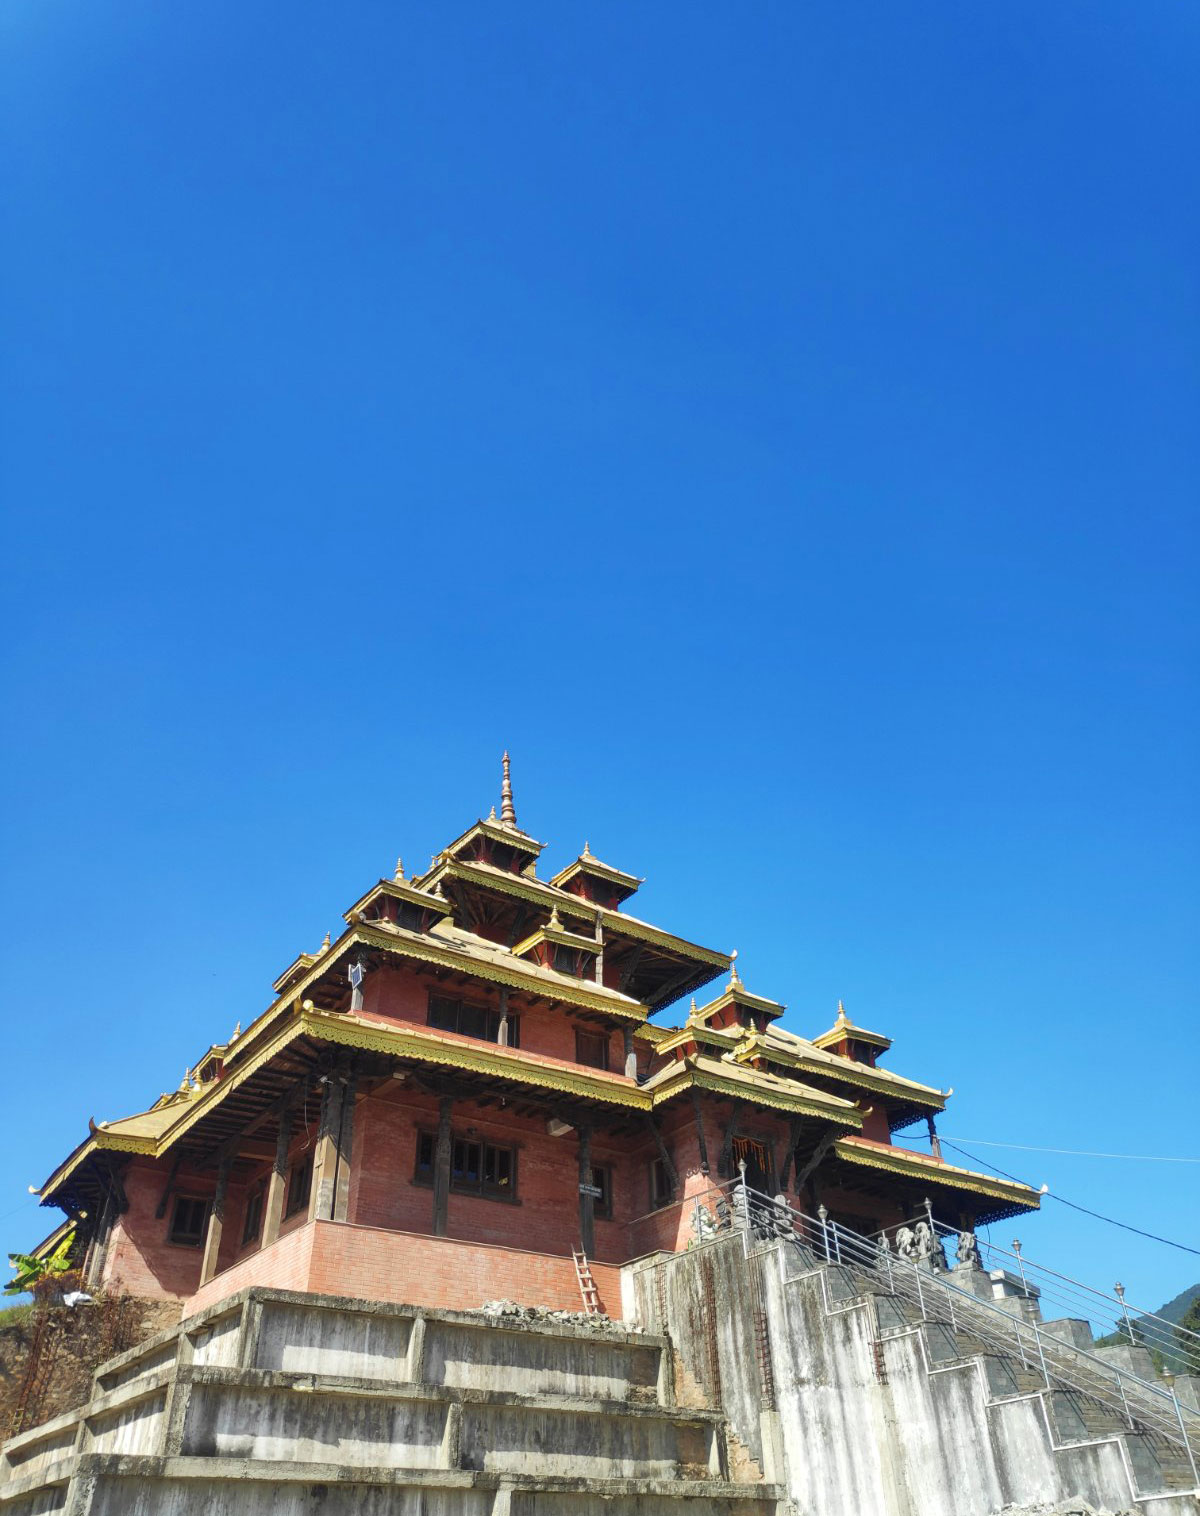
point(776, 424)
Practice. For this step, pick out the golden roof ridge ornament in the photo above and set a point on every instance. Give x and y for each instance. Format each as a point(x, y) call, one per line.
point(398, 876)
point(735, 982)
point(508, 814)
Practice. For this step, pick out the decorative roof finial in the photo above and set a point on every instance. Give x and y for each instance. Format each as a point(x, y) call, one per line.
point(508, 816)
point(399, 874)
point(692, 1011)
point(554, 921)
point(492, 814)
point(587, 852)
point(843, 1019)
point(237, 1032)
point(733, 973)
point(325, 943)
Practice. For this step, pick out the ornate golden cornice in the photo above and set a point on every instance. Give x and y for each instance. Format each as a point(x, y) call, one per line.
point(916, 1166)
point(877, 1081)
point(482, 1058)
point(516, 974)
point(539, 893)
point(818, 1105)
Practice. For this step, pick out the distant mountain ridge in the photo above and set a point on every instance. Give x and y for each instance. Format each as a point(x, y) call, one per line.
point(1174, 1309)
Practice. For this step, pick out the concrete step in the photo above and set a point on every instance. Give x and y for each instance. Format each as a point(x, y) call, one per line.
point(255, 1414)
point(129, 1486)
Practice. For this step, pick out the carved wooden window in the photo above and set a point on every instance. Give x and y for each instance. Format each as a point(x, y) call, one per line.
point(476, 1168)
point(252, 1225)
point(188, 1221)
point(591, 1048)
point(299, 1186)
point(602, 1203)
point(468, 1020)
point(661, 1192)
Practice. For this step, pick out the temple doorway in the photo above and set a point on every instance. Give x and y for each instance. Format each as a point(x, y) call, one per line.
point(760, 1171)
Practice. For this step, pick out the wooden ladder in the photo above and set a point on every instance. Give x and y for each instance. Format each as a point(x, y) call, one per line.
point(587, 1285)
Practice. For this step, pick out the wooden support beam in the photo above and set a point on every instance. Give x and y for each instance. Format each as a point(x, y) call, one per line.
point(699, 1113)
point(630, 1056)
point(216, 1221)
point(345, 1150)
point(724, 1162)
point(320, 1204)
point(441, 1167)
point(630, 968)
point(794, 1127)
point(502, 1030)
point(160, 1209)
point(818, 1157)
point(672, 1174)
point(587, 1201)
point(277, 1184)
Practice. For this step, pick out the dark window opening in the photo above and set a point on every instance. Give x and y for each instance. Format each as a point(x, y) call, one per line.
point(591, 1048)
point(188, 1221)
point(476, 1168)
point(661, 1191)
point(447, 1015)
point(252, 1225)
point(299, 1186)
point(602, 1203)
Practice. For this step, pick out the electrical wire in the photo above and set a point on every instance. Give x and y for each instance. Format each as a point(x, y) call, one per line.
point(1071, 1152)
point(1062, 1200)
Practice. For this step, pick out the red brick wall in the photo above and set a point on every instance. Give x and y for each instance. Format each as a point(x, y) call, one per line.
point(384, 1194)
point(286, 1266)
point(401, 997)
point(140, 1260)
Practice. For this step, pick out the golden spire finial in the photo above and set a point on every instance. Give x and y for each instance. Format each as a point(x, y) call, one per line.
point(325, 943)
point(692, 1010)
point(492, 814)
point(842, 1018)
point(587, 852)
point(399, 874)
point(733, 973)
point(186, 1080)
point(237, 1032)
point(554, 921)
point(508, 815)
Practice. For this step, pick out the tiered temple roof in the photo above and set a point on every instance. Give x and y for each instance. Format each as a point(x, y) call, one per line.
point(480, 916)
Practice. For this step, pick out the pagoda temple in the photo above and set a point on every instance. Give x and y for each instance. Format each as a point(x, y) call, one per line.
point(478, 1090)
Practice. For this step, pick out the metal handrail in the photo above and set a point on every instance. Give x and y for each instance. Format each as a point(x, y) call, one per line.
point(1147, 1407)
point(1113, 1313)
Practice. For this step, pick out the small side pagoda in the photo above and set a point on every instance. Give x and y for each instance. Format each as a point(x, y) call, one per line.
point(468, 1089)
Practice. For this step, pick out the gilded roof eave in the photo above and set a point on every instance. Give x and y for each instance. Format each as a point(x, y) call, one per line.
point(400, 889)
point(876, 1081)
point(895, 1160)
point(538, 892)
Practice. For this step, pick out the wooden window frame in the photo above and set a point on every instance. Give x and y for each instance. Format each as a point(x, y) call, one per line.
point(299, 1194)
point(188, 1240)
point(493, 1019)
point(423, 1174)
point(602, 1039)
point(659, 1202)
point(256, 1201)
point(602, 1209)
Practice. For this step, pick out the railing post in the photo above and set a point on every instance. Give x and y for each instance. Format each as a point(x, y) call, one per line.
point(1124, 1398)
point(823, 1218)
point(1120, 1289)
point(1037, 1336)
point(920, 1291)
point(1187, 1447)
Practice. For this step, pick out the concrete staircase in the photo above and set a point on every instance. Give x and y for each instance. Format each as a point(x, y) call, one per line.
point(277, 1404)
point(1083, 1406)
